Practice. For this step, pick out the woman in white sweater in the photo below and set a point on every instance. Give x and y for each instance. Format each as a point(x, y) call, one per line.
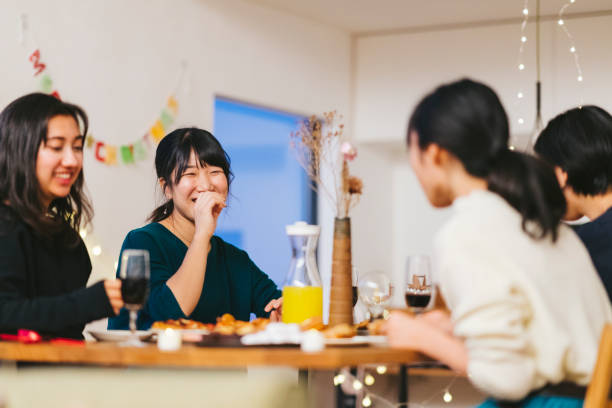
point(527, 307)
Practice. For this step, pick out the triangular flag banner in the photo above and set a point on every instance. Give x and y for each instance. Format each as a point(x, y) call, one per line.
point(166, 119)
point(98, 153)
point(157, 131)
point(111, 155)
point(126, 154)
point(173, 105)
point(37, 65)
point(103, 152)
point(46, 84)
point(139, 151)
point(147, 139)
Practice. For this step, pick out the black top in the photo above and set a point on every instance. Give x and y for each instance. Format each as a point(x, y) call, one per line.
point(232, 283)
point(597, 238)
point(42, 284)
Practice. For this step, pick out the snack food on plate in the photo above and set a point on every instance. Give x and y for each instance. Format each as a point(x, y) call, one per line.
point(312, 323)
point(226, 325)
point(182, 324)
point(340, 331)
point(376, 327)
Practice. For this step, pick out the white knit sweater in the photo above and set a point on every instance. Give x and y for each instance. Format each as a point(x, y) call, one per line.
point(530, 312)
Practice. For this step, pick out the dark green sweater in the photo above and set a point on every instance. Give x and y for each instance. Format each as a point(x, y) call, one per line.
point(232, 284)
point(42, 284)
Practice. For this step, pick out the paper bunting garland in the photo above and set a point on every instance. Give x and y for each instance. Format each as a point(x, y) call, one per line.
point(105, 152)
point(136, 151)
point(45, 83)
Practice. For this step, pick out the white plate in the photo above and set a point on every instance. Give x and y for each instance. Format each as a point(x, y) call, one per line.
point(357, 341)
point(184, 331)
point(118, 335)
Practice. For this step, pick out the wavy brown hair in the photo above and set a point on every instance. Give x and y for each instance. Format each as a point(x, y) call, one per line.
point(23, 127)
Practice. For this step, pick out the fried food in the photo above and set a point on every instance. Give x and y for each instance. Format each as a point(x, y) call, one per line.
point(362, 325)
point(376, 326)
point(226, 325)
point(226, 319)
point(182, 324)
point(315, 323)
point(340, 331)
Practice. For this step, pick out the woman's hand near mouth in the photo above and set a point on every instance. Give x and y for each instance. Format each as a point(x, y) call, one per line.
point(208, 207)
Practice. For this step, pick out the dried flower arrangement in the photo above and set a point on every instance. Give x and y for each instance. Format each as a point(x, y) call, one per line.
point(323, 144)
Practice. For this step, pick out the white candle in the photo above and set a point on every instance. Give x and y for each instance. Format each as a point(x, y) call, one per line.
point(169, 340)
point(312, 341)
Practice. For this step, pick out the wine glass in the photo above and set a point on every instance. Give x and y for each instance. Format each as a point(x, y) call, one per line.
point(134, 275)
point(419, 287)
point(375, 292)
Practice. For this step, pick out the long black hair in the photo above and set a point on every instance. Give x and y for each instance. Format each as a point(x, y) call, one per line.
point(580, 142)
point(172, 158)
point(467, 119)
point(23, 128)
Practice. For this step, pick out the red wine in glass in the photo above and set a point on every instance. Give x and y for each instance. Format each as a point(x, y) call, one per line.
point(355, 296)
point(134, 274)
point(419, 291)
point(420, 301)
point(134, 290)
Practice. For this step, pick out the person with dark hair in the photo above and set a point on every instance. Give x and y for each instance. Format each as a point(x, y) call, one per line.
point(578, 143)
point(194, 273)
point(527, 307)
point(44, 265)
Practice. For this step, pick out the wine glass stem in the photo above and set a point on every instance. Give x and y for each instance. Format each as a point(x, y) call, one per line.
point(133, 316)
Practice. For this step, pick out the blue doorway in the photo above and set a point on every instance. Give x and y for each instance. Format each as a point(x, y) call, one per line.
point(270, 189)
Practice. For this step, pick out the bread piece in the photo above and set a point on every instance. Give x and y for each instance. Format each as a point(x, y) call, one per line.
point(376, 326)
point(312, 323)
point(339, 331)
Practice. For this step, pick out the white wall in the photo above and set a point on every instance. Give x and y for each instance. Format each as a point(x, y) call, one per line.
point(120, 59)
point(394, 71)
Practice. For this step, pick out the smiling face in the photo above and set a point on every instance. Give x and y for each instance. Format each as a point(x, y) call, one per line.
point(60, 158)
point(195, 179)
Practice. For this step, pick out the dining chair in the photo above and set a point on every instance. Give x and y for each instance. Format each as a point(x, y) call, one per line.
point(598, 391)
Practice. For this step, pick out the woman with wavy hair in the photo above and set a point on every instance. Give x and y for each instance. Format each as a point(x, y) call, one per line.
point(44, 265)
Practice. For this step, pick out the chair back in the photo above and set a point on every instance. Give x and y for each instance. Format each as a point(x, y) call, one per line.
point(598, 391)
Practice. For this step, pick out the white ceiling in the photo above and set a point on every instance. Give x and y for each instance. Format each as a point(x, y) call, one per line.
point(363, 16)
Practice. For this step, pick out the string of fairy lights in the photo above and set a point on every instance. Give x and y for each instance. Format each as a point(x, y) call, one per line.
point(572, 47)
point(352, 385)
point(521, 64)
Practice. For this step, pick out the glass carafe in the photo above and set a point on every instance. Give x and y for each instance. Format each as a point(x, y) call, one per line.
point(302, 291)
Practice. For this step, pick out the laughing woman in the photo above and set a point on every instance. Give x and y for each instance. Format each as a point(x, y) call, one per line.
point(44, 264)
point(195, 274)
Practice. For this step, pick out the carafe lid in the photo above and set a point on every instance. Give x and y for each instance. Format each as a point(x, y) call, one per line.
point(302, 228)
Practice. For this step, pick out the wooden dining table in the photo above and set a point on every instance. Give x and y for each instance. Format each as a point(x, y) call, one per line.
point(108, 354)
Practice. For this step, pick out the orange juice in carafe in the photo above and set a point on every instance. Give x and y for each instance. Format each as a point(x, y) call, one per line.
point(301, 303)
point(302, 292)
